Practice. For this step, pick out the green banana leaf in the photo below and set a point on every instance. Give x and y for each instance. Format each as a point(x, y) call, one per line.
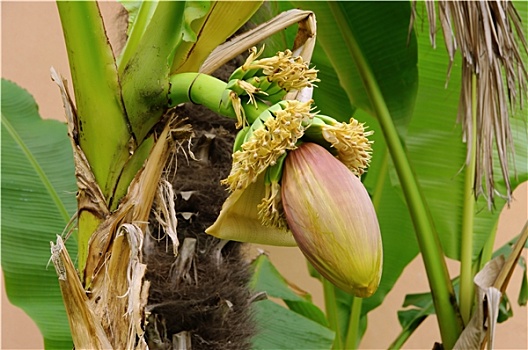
point(38, 199)
point(381, 32)
point(302, 326)
point(267, 279)
point(280, 328)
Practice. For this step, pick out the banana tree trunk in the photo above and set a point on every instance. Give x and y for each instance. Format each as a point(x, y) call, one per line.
point(200, 296)
point(153, 278)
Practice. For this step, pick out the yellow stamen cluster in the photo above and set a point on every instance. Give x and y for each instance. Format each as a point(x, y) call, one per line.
point(280, 133)
point(350, 140)
point(290, 73)
point(270, 212)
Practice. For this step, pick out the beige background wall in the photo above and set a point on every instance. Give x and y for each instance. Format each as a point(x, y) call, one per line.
point(32, 42)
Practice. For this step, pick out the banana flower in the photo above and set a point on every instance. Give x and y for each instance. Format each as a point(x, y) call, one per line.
point(332, 219)
point(294, 179)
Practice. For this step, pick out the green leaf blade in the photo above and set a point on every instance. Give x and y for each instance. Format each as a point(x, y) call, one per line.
point(281, 328)
point(380, 31)
point(38, 198)
point(304, 326)
point(267, 279)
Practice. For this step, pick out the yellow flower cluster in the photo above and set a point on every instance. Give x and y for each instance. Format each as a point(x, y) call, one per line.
point(350, 140)
point(266, 144)
point(289, 72)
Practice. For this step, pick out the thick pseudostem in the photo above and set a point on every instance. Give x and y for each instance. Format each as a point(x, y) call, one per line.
point(200, 297)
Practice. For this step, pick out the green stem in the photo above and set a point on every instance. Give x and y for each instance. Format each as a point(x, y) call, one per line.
point(210, 92)
point(406, 333)
point(487, 250)
point(466, 254)
point(352, 338)
point(331, 311)
point(449, 320)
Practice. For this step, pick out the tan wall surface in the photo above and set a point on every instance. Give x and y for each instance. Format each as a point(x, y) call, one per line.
point(32, 42)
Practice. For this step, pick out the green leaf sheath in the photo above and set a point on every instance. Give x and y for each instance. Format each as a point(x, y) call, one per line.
point(102, 124)
point(38, 198)
point(145, 77)
point(139, 16)
point(131, 168)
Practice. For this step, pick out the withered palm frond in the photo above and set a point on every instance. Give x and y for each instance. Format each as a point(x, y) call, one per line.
point(489, 35)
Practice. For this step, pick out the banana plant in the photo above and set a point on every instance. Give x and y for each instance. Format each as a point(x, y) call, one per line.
point(126, 136)
point(111, 292)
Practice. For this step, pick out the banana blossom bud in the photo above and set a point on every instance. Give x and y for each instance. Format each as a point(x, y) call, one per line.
point(332, 219)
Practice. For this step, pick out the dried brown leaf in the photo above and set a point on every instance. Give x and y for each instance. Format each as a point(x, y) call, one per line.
point(117, 294)
point(485, 317)
point(243, 42)
point(487, 34)
point(491, 283)
point(87, 332)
